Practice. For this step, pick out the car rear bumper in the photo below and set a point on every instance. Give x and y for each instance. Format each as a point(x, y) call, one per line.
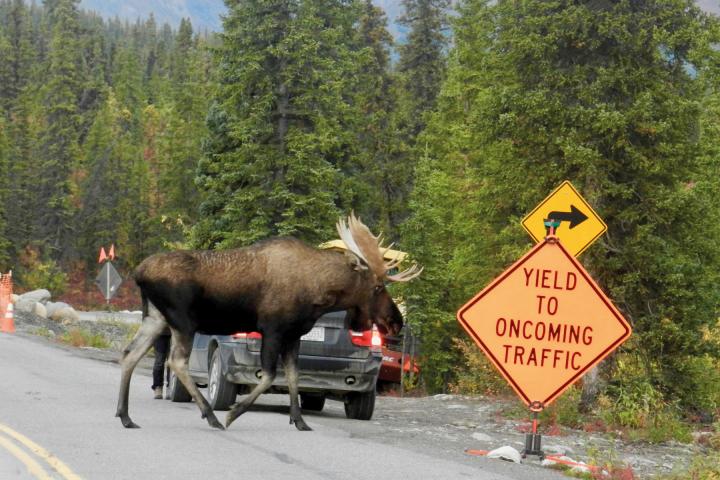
point(317, 373)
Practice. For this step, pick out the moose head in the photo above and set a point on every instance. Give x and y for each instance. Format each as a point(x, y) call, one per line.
point(378, 306)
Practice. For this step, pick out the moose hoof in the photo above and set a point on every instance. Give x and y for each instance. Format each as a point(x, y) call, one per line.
point(127, 423)
point(236, 410)
point(301, 425)
point(215, 423)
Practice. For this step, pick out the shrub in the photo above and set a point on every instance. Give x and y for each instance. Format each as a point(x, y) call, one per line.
point(82, 338)
point(564, 410)
point(477, 375)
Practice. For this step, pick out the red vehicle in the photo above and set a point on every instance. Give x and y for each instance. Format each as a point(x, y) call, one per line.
point(391, 360)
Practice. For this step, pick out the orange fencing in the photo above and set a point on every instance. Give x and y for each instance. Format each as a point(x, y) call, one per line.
point(7, 321)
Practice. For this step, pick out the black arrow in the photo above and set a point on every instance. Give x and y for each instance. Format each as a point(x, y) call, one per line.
point(574, 216)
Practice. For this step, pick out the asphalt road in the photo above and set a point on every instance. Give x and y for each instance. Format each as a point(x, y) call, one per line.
point(57, 421)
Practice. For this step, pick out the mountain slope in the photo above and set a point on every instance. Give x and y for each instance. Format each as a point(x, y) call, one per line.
point(204, 14)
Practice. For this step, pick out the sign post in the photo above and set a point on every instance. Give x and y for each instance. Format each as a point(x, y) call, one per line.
point(108, 280)
point(543, 323)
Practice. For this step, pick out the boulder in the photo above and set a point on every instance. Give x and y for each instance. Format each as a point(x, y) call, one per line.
point(65, 315)
point(52, 306)
point(26, 302)
point(506, 453)
point(40, 310)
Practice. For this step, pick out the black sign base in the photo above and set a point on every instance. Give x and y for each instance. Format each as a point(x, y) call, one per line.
point(533, 445)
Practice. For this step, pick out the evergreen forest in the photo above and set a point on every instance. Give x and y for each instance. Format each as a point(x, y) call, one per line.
point(156, 138)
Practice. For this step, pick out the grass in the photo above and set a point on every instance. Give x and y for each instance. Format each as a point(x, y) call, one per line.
point(78, 337)
point(705, 467)
point(43, 332)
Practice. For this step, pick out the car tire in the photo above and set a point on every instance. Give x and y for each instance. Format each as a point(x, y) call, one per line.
point(221, 393)
point(360, 405)
point(176, 390)
point(314, 402)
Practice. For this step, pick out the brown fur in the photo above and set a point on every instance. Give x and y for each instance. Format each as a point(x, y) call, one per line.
point(278, 287)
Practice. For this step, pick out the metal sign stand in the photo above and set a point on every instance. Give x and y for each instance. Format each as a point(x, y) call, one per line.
point(533, 440)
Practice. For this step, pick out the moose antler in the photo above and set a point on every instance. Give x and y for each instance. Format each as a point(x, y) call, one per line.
point(360, 240)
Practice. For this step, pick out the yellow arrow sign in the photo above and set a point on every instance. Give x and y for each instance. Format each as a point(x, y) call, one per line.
point(579, 225)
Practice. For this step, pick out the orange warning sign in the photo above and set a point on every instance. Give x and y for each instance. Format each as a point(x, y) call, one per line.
point(544, 322)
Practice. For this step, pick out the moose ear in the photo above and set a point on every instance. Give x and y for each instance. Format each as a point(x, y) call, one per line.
point(355, 262)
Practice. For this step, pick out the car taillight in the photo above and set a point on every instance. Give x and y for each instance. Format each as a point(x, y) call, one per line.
point(248, 336)
point(368, 338)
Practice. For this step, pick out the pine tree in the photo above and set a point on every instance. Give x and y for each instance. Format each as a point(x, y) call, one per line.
point(4, 195)
point(280, 124)
point(17, 53)
point(602, 94)
point(422, 60)
point(59, 143)
point(112, 202)
point(384, 171)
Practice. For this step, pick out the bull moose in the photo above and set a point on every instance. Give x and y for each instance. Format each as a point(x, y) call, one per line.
point(278, 287)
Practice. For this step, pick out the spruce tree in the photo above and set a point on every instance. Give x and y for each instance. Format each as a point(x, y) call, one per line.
point(4, 195)
point(422, 61)
point(383, 172)
point(280, 123)
point(59, 147)
point(607, 95)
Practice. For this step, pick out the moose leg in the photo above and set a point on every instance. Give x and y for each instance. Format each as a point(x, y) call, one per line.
point(269, 359)
point(290, 359)
point(151, 327)
point(179, 355)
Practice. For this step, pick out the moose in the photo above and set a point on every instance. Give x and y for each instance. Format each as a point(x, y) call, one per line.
point(278, 287)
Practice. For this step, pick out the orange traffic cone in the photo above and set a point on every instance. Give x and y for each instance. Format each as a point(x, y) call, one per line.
point(7, 320)
point(7, 324)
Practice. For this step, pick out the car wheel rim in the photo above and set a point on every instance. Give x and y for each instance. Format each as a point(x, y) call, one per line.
point(214, 377)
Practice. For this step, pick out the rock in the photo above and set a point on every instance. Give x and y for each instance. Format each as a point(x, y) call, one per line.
point(26, 301)
point(557, 449)
point(481, 437)
point(65, 315)
point(15, 297)
point(443, 397)
point(506, 453)
point(52, 306)
point(39, 310)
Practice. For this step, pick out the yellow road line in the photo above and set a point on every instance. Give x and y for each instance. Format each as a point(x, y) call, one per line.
point(51, 459)
point(33, 467)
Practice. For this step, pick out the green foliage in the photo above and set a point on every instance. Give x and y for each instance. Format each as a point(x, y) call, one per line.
point(601, 94)
point(92, 161)
point(59, 149)
point(564, 410)
point(422, 61)
point(704, 467)
point(280, 154)
point(631, 403)
point(78, 337)
point(476, 375)
point(45, 274)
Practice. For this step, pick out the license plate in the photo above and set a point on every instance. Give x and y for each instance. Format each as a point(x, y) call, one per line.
point(317, 334)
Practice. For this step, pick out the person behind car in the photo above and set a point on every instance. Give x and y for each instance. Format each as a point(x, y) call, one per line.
point(162, 348)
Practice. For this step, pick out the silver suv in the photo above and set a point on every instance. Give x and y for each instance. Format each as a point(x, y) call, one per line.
point(334, 363)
